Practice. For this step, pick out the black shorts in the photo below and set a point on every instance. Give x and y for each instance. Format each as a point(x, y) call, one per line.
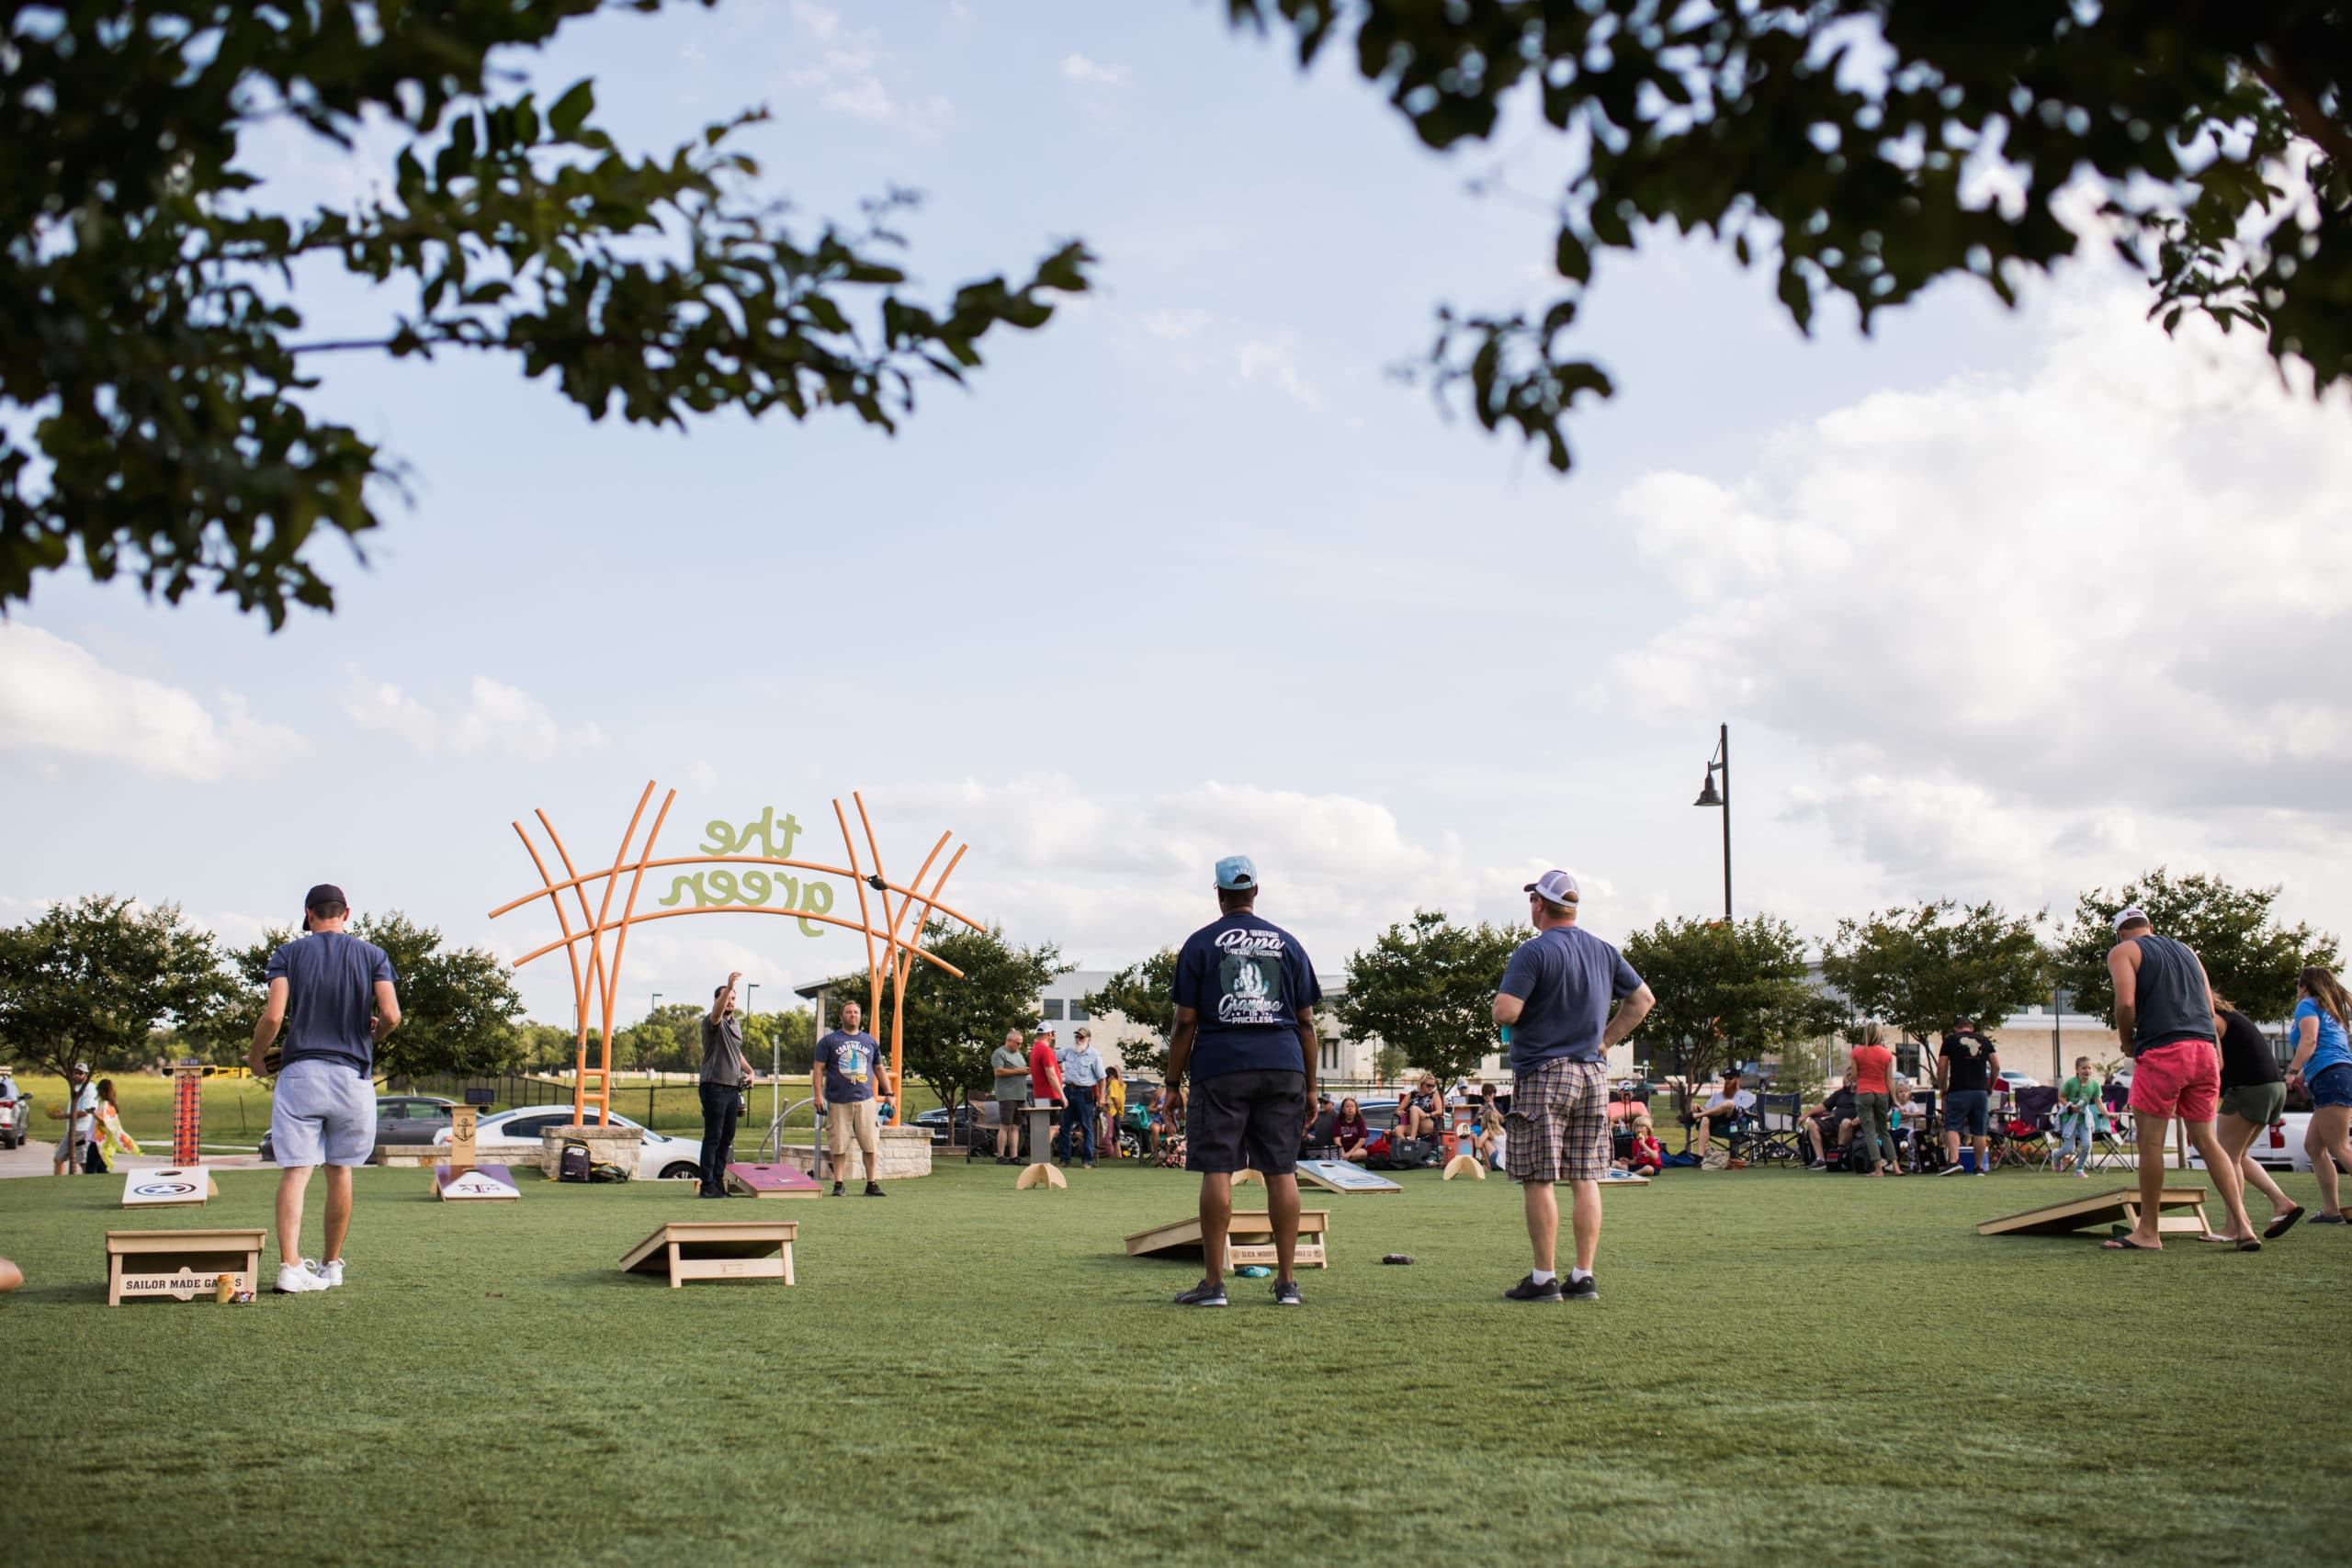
point(1245, 1121)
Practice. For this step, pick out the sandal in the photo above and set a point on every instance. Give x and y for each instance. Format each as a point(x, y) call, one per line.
point(2281, 1224)
point(2125, 1244)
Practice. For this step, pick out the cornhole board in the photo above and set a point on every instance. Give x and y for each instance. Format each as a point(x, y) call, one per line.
point(475, 1183)
point(1249, 1239)
point(2120, 1207)
point(716, 1249)
point(771, 1181)
point(1342, 1176)
point(179, 1264)
point(1623, 1178)
point(169, 1188)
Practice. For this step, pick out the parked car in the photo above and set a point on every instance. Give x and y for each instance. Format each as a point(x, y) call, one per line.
point(16, 1114)
point(400, 1118)
point(659, 1157)
point(2015, 1081)
point(944, 1130)
point(2279, 1147)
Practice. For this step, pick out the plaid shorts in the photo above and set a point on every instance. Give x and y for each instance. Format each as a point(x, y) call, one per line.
point(1558, 1123)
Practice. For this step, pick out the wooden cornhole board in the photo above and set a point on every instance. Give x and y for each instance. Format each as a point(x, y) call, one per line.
point(1623, 1178)
point(461, 1181)
point(1249, 1239)
point(773, 1181)
point(719, 1250)
point(2121, 1206)
point(1342, 1176)
point(475, 1183)
point(179, 1264)
point(168, 1189)
point(1041, 1170)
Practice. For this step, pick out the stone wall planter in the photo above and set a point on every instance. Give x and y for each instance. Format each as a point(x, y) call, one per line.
point(606, 1146)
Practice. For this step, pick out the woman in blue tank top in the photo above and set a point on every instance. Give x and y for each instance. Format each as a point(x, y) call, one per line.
point(2322, 1061)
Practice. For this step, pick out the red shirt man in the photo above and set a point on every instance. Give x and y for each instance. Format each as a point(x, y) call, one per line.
point(1044, 1071)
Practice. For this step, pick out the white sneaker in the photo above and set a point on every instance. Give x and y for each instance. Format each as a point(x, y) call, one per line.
point(299, 1279)
point(330, 1272)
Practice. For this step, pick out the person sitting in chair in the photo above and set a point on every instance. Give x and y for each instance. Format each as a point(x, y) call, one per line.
point(1730, 1105)
point(1352, 1132)
point(1421, 1112)
point(1833, 1117)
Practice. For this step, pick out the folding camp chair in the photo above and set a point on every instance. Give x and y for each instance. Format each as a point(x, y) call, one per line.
point(2027, 1131)
point(1776, 1133)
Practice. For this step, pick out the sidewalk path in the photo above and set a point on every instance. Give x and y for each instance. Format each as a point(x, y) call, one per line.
point(35, 1159)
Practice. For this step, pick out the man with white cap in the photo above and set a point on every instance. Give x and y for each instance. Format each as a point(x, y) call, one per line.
point(81, 1120)
point(1554, 1005)
point(2163, 1012)
point(1244, 1027)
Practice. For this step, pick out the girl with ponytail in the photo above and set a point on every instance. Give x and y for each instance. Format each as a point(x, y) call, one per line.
point(2322, 1061)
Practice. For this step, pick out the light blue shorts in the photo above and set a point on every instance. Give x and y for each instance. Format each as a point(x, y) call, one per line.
point(325, 1114)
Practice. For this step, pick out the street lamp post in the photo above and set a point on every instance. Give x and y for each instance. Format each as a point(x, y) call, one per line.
point(1720, 763)
point(774, 1081)
point(649, 1071)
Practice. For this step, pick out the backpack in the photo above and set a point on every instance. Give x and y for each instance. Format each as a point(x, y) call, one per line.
point(1410, 1154)
point(573, 1163)
point(605, 1171)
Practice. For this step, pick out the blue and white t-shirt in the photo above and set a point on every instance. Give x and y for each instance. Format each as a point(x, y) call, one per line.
point(847, 1062)
point(2334, 1049)
point(1247, 979)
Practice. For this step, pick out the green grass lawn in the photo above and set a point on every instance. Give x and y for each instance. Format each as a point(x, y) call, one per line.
point(1782, 1367)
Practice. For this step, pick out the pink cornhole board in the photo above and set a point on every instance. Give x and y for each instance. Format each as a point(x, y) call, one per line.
point(773, 1181)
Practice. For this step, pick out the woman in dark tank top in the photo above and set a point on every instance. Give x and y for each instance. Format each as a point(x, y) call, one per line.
point(2253, 1091)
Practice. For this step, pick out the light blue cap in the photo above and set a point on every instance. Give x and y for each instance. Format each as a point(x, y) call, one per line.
point(1237, 874)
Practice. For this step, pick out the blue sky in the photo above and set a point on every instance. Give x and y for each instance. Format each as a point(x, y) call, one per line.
point(1188, 573)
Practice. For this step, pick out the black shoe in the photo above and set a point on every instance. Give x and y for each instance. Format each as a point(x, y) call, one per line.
point(1203, 1296)
point(1584, 1289)
point(1287, 1293)
point(1527, 1289)
point(873, 1189)
point(2337, 1219)
point(710, 1192)
point(1818, 1165)
point(837, 1190)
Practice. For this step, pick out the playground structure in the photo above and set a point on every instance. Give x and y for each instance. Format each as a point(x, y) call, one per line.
point(598, 979)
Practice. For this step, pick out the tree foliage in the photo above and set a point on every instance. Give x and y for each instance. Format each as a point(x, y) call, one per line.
point(951, 1024)
point(2248, 955)
point(156, 380)
point(1921, 967)
point(1145, 995)
point(1836, 141)
point(1426, 986)
point(1727, 992)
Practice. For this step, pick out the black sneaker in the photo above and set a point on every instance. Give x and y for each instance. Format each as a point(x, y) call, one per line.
point(1203, 1296)
point(2337, 1219)
point(1527, 1289)
point(873, 1189)
point(710, 1192)
point(1287, 1293)
point(1584, 1289)
point(1818, 1165)
point(837, 1190)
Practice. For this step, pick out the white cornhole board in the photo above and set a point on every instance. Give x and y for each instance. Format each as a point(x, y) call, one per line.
point(1623, 1178)
point(168, 1189)
point(1342, 1176)
point(480, 1183)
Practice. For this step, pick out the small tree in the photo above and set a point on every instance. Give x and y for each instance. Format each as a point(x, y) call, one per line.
point(92, 980)
point(1143, 994)
point(1725, 990)
point(951, 1024)
point(787, 1035)
point(1427, 987)
point(2250, 957)
point(1921, 967)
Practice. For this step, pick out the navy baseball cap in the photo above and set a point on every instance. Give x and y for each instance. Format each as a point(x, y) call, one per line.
point(325, 893)
point(1237, 874)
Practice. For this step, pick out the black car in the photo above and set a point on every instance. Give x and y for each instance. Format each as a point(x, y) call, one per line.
point(944, 1130)
point(400, 1118)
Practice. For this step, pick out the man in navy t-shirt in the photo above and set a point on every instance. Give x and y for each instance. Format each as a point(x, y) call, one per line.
point(1244, 1027)
point(848, 1064)
point(333, 996)
point(1554, 1007)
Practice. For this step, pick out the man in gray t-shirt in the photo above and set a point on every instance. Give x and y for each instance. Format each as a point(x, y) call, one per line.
point(725, 1076)
point(1009, 1065)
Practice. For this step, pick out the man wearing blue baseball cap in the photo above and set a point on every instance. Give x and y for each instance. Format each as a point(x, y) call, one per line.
point(1245, 1025)
point(1565, 998)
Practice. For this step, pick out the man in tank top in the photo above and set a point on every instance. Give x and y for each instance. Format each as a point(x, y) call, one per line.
point(2164, 1013)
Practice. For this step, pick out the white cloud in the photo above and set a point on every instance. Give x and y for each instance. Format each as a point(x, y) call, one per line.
point(1170, 325)
point(500, 720)
point(61, 710)
point(2087, 614)
point(1274, 363)
point(848, 78)
point(817, 20)
point(1093, 74)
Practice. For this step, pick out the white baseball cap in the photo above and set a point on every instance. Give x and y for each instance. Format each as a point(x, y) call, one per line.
point(1559, 886)
point(2130, 915)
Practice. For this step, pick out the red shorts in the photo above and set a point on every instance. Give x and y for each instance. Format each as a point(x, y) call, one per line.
point(2180, 1077)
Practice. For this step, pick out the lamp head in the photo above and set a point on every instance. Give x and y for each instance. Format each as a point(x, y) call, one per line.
point(1708, 797)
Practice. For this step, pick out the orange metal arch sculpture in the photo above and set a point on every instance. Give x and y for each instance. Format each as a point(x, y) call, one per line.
point(599, 980)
